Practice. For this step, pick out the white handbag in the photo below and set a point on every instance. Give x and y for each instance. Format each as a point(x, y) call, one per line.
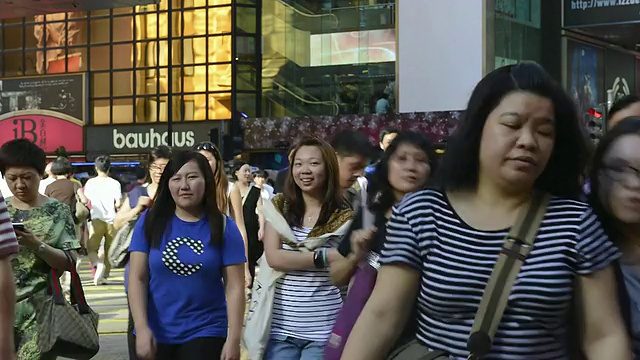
point(257, 328)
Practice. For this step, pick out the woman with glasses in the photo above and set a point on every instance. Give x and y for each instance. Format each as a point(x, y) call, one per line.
point(139, 199)
point(615, 196)
point(229, 201)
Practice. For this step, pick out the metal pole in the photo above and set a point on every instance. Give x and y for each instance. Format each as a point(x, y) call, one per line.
point(170, 73)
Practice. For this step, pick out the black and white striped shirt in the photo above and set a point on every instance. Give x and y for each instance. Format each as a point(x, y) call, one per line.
point(456, 262)
point(306, 303)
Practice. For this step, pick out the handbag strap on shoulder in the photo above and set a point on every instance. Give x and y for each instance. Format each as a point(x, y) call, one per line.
point(516, 248)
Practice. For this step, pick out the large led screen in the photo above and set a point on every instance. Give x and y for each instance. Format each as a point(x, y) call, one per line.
point(354, 47)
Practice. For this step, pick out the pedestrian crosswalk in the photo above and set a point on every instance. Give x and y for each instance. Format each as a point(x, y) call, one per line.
point(107, 300)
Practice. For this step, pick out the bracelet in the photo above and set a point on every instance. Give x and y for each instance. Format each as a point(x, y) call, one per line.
point(317, 259)
point(325, 262)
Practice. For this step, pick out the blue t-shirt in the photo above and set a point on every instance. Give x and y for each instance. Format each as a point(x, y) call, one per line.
point(186, 293)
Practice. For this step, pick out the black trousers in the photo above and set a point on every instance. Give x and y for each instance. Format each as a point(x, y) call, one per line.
point(206, 348)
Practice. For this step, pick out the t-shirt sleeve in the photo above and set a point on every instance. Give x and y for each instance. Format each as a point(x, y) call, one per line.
point(139, 241)
point(344, 248)
point(233, 245)
point(595, 250)
point(8, 242)
point(402, 245)
point(67, 239)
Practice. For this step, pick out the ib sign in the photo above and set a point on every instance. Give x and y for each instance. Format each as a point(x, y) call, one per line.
point(47, 129)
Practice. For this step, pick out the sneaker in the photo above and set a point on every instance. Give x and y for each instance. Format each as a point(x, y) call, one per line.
point(98, 277)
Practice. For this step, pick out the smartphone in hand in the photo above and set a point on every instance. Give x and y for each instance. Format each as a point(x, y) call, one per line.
point(18, 226)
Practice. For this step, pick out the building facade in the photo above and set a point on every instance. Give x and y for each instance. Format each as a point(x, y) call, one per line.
point(196, 62)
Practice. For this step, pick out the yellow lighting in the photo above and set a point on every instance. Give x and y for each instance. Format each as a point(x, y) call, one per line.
point(196, 55)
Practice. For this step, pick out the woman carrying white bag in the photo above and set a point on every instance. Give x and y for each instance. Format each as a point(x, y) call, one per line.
point(294, 304)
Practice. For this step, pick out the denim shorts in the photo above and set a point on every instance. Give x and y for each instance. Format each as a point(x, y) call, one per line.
point(289, 348)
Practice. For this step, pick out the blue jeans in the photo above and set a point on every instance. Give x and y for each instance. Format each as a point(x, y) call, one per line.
point(288, 348)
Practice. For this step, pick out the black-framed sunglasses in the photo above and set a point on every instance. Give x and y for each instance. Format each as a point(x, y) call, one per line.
point(623, 173)
point(208, 146)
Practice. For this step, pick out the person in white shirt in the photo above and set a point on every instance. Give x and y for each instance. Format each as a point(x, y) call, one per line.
point(105, 195)
point(48, 180)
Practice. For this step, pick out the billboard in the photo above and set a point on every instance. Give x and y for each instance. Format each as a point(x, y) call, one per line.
point(47, 110)
point(353, 47)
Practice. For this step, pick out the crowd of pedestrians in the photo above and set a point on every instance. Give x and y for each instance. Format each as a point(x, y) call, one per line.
point(352, 255)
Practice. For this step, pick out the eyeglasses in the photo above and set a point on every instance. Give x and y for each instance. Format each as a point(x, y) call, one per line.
point(624, 174)
point(157, 168)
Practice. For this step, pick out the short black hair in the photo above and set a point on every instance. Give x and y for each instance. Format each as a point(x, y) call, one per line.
point(103, 163)
point(159, 152)
point(22, 153)
point(61, 166)
point(261, 173)
point(461, 162)
point(351, 143)
point(381, 194)
point(622, 103)
point(386, 132)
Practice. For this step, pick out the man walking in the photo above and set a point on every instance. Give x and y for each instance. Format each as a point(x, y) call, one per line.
point(104, 194)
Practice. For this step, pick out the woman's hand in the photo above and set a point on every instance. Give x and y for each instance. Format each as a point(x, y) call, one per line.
point(145, 344)
point(361, 242)
point(144, 202)
point(231, 350)
point(27, 239)
point(247, 277)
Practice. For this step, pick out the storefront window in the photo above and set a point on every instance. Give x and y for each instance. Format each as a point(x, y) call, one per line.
point(326, 58)
point(517, 31)
point(129, 56)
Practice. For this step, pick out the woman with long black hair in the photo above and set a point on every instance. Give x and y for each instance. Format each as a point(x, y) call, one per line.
point(186, 258)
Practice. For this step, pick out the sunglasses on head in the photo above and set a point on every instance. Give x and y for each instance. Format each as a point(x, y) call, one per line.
point(206, 146)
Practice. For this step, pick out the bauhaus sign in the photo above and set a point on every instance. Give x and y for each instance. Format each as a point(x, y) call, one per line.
point(141, 138)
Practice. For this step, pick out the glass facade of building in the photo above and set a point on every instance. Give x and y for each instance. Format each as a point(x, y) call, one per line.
point(189, 60)
point(517, 31)
point(330, 57)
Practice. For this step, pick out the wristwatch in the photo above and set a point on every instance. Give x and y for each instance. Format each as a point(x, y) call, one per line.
point(41, 248)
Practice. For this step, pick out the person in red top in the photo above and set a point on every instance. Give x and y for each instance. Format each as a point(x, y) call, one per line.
point(8, 247)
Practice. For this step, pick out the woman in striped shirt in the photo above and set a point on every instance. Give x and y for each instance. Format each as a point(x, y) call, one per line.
point(520, 132)
point(306, 303)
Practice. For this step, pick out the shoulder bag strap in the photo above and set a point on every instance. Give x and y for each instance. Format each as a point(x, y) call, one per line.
point(514, 252)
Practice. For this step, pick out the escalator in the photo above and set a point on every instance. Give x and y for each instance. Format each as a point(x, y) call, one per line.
point(319, 17)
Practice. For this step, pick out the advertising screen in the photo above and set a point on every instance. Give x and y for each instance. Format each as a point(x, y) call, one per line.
point(354, 47)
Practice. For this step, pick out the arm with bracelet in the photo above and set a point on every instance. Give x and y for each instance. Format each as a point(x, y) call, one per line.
point(286, 260)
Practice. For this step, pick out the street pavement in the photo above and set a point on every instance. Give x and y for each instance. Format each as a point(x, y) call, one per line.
point(110, 302)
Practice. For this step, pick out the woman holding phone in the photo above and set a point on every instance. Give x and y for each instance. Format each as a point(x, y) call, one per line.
point(46, 233)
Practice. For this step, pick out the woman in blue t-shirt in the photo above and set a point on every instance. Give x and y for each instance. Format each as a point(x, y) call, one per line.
point(186, 257)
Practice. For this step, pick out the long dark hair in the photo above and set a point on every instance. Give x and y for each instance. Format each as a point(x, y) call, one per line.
point(222, 183)
point(380, 192)
point(159, 216)
point(460, 165)
point(628, 126)
point(333, 198)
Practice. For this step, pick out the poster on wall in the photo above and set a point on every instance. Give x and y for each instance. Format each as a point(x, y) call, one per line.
point(619, 74)
point(47, 110)
point(585, 77)
point(63, 94)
